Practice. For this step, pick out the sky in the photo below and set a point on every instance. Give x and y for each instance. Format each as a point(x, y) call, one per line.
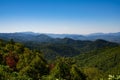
point(60, 16)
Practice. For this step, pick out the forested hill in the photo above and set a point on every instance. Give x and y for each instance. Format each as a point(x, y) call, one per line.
point(20, 63)
point(52, 47)
point(68, 47)
point(66, 59)
point(100, 62)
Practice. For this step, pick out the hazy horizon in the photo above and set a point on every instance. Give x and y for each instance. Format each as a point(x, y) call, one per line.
point(61, 33)
point(60, 16)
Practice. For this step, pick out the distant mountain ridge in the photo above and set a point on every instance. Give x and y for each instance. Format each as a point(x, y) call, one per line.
point(25, 36)
point(45, 37)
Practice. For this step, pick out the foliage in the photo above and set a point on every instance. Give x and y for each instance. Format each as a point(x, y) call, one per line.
point(65, 70)
point(6, 73)
point(105, 60)
point(92, 73)
point(97, 60)
point(113, 77)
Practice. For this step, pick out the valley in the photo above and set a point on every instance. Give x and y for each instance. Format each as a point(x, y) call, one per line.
point(32, 56)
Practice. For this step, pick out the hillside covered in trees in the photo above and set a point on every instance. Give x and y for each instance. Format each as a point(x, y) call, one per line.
point(20, 63)
point(65, 59)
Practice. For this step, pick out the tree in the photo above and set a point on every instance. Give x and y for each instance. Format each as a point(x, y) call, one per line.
point(65, 69)
point(37, 68)
point(11, 42)
point(76, 74)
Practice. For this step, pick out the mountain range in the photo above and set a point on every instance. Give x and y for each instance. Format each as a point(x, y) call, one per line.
point(45, 37)
point(96, 55)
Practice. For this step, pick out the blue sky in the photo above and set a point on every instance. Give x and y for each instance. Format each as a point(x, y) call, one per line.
point(60, 16)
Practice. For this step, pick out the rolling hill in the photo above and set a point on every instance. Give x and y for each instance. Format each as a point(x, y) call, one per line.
point(43, 37)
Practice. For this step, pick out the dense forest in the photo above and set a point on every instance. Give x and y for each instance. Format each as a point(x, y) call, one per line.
point(63, 59)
